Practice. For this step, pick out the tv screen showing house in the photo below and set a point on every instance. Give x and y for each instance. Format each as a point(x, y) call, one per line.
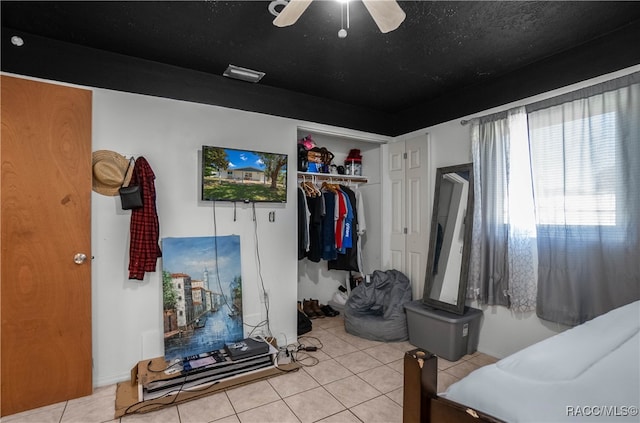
point(230, 174)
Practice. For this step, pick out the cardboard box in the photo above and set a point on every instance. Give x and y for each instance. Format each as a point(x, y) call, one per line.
point(129, 398)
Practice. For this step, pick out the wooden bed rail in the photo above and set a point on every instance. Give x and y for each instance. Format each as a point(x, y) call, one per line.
point(421, 403)
point(420, 385)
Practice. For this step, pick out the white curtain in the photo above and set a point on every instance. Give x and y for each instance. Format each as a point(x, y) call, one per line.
point(557, 212)
point(585, 151)
point(503, 265)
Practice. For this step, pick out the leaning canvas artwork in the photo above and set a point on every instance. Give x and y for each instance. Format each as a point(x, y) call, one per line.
point(202, 294)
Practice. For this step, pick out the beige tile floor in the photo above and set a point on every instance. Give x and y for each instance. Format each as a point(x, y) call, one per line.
point(352, 380)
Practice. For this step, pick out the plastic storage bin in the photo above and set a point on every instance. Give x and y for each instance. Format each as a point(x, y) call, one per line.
point(442, 333)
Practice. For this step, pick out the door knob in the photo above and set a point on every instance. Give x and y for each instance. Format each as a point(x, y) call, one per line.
point(79, 258)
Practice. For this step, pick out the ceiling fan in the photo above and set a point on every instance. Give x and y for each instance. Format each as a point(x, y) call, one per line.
point(387, 14)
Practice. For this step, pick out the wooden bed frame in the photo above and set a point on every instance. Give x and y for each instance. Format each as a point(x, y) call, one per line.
point(421, 401)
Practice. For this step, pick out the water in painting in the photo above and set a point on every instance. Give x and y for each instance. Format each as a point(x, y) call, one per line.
point(202, 294)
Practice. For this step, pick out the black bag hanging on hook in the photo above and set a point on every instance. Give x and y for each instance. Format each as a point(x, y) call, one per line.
point(130, 196)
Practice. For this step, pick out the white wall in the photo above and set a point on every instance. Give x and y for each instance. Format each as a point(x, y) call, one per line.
point(503, 331)
point(127, 324)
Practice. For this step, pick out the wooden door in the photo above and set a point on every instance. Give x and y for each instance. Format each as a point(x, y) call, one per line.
point(45, 218)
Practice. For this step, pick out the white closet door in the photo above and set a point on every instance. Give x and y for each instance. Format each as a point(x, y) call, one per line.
point(397, 201)
point(417, 211)
point(409, 194)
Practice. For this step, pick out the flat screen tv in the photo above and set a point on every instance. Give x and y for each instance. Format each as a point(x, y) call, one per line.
point(248, 176)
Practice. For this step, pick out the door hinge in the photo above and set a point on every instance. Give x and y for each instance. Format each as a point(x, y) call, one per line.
point(405, 231)
point(404, 155)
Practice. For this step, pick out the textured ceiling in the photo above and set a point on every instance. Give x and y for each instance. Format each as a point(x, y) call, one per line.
point(493, 51)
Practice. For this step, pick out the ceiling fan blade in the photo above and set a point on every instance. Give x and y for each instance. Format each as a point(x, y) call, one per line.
point(387, 14)
point(291, 12)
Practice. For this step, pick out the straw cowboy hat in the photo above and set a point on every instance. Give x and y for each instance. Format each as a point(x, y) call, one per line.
point(109, 170)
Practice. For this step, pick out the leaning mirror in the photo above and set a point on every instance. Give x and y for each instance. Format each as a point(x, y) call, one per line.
point(450, 241)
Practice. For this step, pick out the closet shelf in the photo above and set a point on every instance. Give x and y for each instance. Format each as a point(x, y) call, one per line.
point(331, 177)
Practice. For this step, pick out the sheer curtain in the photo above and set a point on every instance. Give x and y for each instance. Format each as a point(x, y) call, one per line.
point(585, 150)
point(503, 256)
point(556, 219)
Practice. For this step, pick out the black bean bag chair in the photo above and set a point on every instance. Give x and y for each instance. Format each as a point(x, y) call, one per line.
point(375, 309)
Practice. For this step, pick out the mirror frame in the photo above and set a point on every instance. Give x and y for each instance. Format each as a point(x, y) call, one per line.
point(458, 308)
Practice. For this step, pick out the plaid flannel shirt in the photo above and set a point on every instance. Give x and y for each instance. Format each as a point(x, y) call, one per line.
point(145, 228)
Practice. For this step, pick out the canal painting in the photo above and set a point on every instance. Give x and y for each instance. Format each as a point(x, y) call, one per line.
point(202, 294)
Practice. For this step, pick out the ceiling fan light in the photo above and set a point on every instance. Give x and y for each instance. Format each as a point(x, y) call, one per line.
point(243, 74)
point(275, 4)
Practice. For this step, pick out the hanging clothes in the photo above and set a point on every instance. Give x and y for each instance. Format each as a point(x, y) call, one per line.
point(348, 260)
point(310, 215)
point(329, 251)
point(303, 225)
point(330, 229)
point(340, 215)
point(316, 208)
point(347, 233)
point(144, 249)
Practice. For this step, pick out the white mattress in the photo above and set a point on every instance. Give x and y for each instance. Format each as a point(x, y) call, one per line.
point(590, 372)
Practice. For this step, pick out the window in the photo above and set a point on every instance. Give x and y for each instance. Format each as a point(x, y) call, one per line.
point(581, 151)
point(574, 169)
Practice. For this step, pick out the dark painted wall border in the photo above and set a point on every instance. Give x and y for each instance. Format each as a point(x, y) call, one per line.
point(65, 62)
point(618, 50)
point(59, 61)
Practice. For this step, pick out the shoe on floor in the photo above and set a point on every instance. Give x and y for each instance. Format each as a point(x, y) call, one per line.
point(316, 308)
point(309, 310)
point(329, 311)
